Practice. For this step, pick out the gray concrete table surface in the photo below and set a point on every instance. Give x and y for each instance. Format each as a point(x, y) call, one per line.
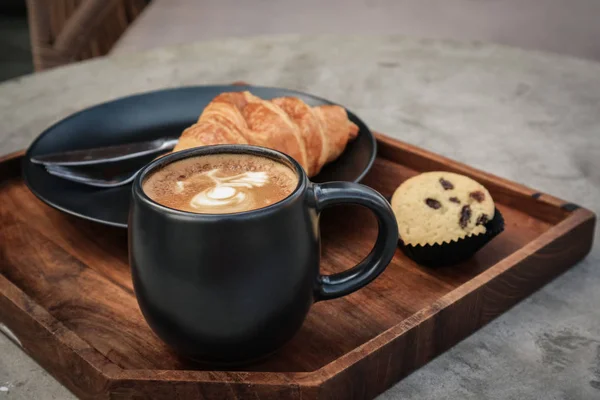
point(527, 116)
point(562, 26)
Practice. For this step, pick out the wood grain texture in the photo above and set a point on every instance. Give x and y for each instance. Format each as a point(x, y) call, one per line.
point(66, 293)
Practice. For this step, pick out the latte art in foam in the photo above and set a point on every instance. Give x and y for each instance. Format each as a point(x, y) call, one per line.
point(220, 184)
point(229, 190)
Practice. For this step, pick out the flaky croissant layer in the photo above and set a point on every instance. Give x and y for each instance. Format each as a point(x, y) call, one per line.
point(313, 136)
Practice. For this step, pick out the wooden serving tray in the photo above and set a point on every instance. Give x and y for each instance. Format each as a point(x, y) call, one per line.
point(66, 295)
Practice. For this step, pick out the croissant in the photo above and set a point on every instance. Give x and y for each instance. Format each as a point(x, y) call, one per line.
point(313, 136)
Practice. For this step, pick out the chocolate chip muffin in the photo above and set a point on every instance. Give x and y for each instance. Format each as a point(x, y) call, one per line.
point(442, 209)
point(437, 207)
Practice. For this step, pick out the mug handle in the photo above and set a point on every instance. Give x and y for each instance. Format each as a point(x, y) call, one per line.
point(343, 283)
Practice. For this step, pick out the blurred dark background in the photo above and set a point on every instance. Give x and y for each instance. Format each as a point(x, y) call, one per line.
point(40, 34)
point(15, 49)
point(36, 35)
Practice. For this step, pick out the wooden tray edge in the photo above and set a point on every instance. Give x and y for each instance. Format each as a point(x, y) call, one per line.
point(10, 156)
point(9, 159)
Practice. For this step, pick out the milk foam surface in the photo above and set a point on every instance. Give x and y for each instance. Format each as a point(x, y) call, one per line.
point(221, 183)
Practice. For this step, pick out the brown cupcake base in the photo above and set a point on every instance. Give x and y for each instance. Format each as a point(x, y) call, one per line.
point(438, 255)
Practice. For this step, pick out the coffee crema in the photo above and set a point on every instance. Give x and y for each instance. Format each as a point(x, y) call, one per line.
point(221, 183)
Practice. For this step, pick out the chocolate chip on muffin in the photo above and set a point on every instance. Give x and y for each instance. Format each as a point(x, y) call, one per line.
point(477, 195)
point(447, 185)
point(465, 216)
point(482, 220)
point(433, 203)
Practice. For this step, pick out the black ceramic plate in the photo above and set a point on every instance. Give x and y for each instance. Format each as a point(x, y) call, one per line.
point(148, 116)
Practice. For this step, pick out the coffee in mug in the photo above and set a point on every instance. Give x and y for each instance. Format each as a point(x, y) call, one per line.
point(221, 183)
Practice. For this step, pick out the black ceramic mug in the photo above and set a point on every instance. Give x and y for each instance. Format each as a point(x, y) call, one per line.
point(230, 288)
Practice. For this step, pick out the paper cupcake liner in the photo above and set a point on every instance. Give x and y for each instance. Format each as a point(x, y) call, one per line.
point(454, 252)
